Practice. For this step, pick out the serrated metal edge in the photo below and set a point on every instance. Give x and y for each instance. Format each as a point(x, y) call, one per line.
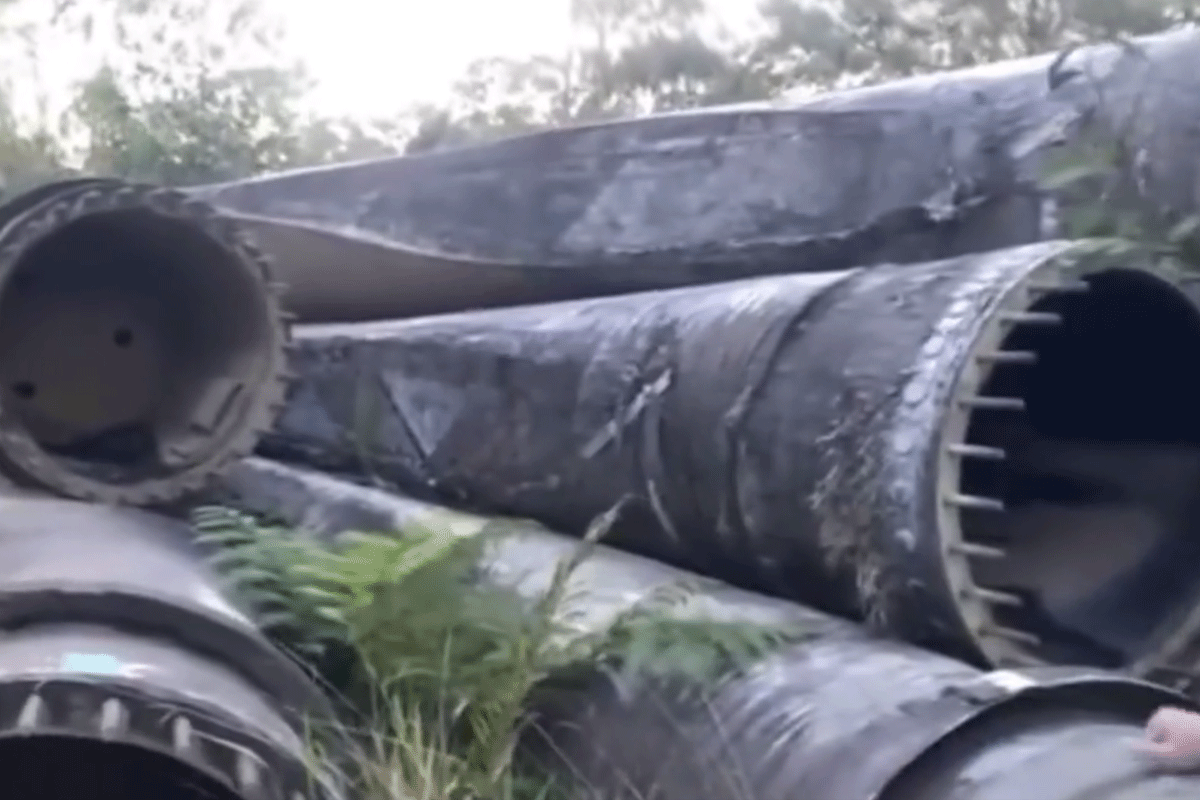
point(24, 460)
point(196, 739)
point(1066, 272)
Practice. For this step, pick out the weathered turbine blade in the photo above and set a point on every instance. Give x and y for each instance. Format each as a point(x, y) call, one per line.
point(837, 438)
point(125, 673)
point(841, 716)
point(142, 345)
point(908, 171)
point(344, 275)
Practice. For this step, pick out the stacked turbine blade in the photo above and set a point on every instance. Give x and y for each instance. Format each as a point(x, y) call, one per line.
point(850, 440)
point(909, 171)
point(832, 351)
point(142, 351)
point(122, 658)
point(142, 345)
point(841, 715)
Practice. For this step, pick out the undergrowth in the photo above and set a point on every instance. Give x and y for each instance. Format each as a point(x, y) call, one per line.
point(1103, 178)
point(438, 666)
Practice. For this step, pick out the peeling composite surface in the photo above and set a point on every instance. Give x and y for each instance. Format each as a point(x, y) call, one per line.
point(841, 716)
point(778, 433)
point(907, 171)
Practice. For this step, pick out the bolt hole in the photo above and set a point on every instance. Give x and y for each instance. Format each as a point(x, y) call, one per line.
point(26, 390)
point(122, 337)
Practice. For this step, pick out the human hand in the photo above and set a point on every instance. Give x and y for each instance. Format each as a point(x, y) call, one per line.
point(1172, 739)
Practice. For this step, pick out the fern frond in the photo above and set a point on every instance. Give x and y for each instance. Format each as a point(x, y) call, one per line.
point(412, 623)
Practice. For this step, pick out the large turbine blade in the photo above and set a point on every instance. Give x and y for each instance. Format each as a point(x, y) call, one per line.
point(838, 716)
point(142, 343)
point(862, 441)
point(908, 171)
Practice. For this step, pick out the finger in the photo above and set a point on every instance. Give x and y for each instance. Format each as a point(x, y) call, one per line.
point(1157, 748)
point(1162, 722)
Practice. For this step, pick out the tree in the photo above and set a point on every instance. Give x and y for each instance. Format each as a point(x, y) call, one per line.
point(27, 158)
point(195, 96)
point(859, 41)
point(636, 57)
point(30, 148)
point(186, 92)
point(201, 94)
point(647, 56)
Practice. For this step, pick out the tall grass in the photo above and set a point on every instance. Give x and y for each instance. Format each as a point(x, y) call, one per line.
point(437, 665)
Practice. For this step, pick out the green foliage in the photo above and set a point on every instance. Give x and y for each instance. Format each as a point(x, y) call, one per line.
point(187, 92)
point(197, 92)
point(445, 663)
point(641, 56)
point(265, 564)
point(1097, 176)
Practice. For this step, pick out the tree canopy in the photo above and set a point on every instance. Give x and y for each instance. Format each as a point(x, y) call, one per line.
point(190, 91)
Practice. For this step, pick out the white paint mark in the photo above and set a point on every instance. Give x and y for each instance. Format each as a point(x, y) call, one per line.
point(1009, 681)
point(429, 408)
